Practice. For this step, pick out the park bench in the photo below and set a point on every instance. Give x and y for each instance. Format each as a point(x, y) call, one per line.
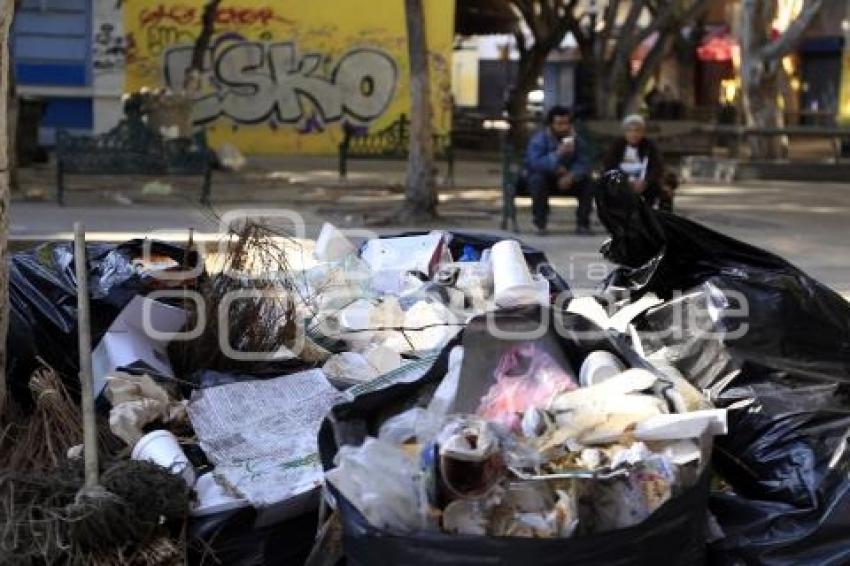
point(389, 143)
point(513, 165)
point(838, 136)
point(675, 138)
point(132, 148)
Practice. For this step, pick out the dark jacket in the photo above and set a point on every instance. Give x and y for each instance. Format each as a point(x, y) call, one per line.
point(646, 149)
point(541, 155)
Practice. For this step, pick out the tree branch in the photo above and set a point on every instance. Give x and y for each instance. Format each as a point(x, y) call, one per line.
point(651, 61)
point(625, 42)
point(610, 19)
point(785, 42)
point(521, 46)
point(526, 12)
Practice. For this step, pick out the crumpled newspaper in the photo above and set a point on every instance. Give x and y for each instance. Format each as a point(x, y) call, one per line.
point(137, 401)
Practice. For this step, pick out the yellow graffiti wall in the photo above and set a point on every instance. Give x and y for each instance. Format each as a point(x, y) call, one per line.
point(286, 76)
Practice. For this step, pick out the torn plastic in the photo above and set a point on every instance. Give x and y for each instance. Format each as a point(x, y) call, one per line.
point(773, 345)
point(378, 478)
point(793, 322)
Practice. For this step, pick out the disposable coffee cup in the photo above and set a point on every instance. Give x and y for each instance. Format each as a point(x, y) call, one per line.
point(598, 366)
point(213, 498)
point(161, 448)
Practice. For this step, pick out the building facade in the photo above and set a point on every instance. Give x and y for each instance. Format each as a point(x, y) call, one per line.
point(280, 76)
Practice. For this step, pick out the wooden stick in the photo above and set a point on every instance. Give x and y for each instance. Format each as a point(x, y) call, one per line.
point(86, 379)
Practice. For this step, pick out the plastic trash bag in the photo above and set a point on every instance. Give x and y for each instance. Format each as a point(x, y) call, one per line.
point(785, 458)
point(527, 377)
point(379, 479)
point(233, 538)
point(795, 323)
point(788, 460)
point(43, 301)
point(674, 534)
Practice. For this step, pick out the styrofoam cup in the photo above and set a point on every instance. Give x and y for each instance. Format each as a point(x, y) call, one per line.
point(161, 448)
point(598, 366)
point(213, 498)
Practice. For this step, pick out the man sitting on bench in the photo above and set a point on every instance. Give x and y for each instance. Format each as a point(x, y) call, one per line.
point(557, 161)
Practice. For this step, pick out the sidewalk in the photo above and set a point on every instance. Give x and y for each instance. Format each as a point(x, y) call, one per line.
point(264, 179)
point(804, 222)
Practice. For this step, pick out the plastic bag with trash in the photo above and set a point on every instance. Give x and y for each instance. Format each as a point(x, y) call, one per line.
point(793, 322)
point(761, 333)
point(672, 533)
point(43, 299)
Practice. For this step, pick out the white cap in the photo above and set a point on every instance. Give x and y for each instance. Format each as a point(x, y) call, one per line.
point(634, 120)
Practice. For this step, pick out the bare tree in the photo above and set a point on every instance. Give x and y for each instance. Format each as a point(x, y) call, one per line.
point(610, 46)
point(548, 21)
point(420, 192)
point(7, 13)
point(761, 68)
point(606, 41)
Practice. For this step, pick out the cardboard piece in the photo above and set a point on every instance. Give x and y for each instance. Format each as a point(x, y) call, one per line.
point(127, 343)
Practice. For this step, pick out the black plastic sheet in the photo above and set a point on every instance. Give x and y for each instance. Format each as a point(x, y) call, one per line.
point(788, 460)
point(795, 322)
point(232, 539)
point(43, 302)
point(786, 457)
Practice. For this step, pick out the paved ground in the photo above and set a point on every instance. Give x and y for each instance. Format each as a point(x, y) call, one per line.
point(806, 223)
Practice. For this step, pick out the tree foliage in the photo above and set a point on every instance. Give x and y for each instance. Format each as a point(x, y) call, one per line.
point(606, 40)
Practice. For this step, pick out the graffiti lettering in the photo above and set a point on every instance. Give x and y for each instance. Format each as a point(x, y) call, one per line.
point(254, 81)
point(187, 15)
point(180, 15)
point(109, 51)
point(159, 38)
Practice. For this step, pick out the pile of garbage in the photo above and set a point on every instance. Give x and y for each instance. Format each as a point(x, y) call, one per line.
point(545, 454)
point(428, 398)
point(219, 370)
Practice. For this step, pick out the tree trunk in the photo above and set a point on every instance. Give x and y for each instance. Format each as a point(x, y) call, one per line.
point(531, 64)
point(761, 58)
point(7, 12)
point(12, 127)
point(605, 94)
point(192, 80)
point(650, 65)
point(421, 193)
point(761, 108)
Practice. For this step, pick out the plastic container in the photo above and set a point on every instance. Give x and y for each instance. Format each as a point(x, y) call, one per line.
point(598, 366)
point(161, 447)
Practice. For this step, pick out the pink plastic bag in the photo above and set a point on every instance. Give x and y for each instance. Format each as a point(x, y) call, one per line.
point(527, 377)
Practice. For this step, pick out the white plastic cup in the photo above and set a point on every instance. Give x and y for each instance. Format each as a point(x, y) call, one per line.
point(213, 498)
point(161, 448)
point(598, 366)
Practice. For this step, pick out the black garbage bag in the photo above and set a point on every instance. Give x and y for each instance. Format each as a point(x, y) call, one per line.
point(43, 302)
point(674, 534)
point(784, 459)
point(795, 323)
point(232, 538)
point(788, 461)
